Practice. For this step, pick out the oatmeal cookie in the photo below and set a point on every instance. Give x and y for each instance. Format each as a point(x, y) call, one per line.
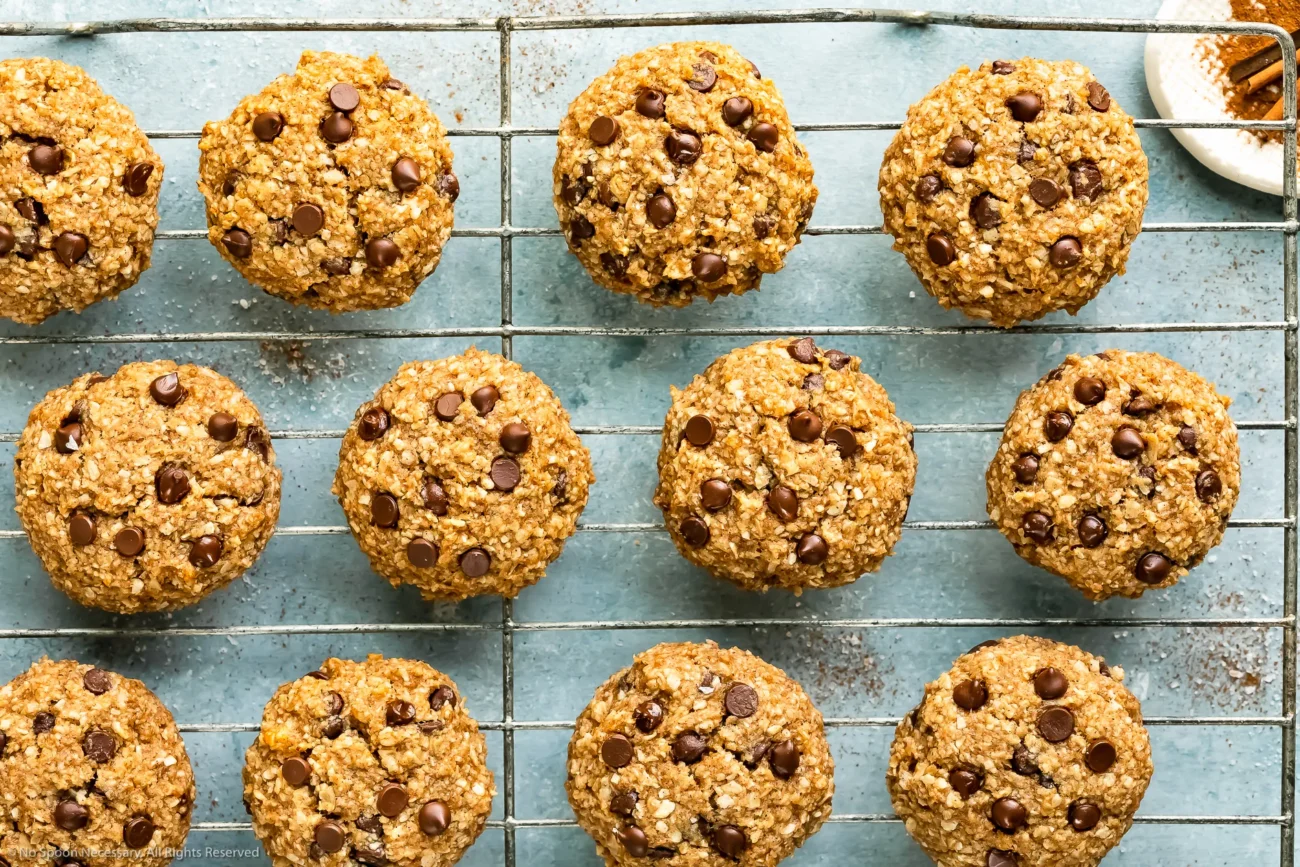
point(148, 489)
point(1117, 471)
point(332, 187)
point(699, 756)
point(783, 465)
point(78, 191)
point(91, 764)
point(678, 175)
point(374, 762)
point(1028, 753)
point(1015, 189)
point(462, 477)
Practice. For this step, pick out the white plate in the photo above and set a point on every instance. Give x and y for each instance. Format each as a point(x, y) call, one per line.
point(1181, 87)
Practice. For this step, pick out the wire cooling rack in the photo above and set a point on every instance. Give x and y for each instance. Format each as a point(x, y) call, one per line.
point(506, 231)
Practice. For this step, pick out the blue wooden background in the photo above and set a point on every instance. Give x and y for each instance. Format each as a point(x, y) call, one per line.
point(827, 73)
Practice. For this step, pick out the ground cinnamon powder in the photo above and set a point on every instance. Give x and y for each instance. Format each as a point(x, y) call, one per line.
point(1228, 50)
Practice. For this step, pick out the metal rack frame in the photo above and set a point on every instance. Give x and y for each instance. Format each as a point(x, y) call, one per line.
point(506, 231)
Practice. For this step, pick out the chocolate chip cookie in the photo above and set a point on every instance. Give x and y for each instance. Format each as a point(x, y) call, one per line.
point(462, 477)
point(1028, 753)
point(148, 489)
point(1117, 471)
point(78, 191)
point(92, 768)
point(374, 762)
point(699, 755)
point(783, 465)
point(679, 177)
point(1015, 189)
point(332, 187)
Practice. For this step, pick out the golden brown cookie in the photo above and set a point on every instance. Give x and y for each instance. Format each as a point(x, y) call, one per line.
point(148, 489)
point(699, 755)
point(462, 477)
point(783, 465)
point(1015, 189)
point(1028, 753)
point(374, 762)
point(678, 175)
point(78, 191)
point(332, 187)
point(1117, 471)
point(92, 767)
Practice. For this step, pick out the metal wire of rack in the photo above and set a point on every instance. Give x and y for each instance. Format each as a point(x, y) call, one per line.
point(506, 231)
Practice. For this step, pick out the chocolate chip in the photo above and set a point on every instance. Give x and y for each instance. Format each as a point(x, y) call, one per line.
point(1056, 724)
point(1037, 526)
point(1085, 180)
point(965, 782)
point(694, 531)
point(222, 427)
point(1153, 568)
point(803, 350)
point(68, 438)
point(392, 800)
point(633, 840)
point(172, 484)
point(336, 266)
point(515, 438)
point(1098, 96)
point(624, 803)
point(337, 128)
point(683, 146)
point(258, 440)
point(844, 439)
point(784, 758)
point(1084, 816)
point(504, 474)
point(371, 824)
point(136, 179)
point(765, 136)
point(484, 400)
point(1092, 531)
point(941, 250)
point(81, 529)
point(1127, 443)
point(990, 642)
point(970, 694)
point(616, 751)
point(715, 494)
point(70, 816)
point(333, 703)
point(1025, 106)
point(648, 715)
point(1208, 485)
point(688, 747)
point(650, 103)
point(616, 265)
point(384, 510)
point(959, 152)
point(435, 818)
point(205, 551)
point(69, 247)
point(267, 125)
point(741, 700)
point(1023, 762)
point(1057, 425)
point(1100, 756)
point(927, 188)
point(1140, 406)
point(699, 430)
point(1025, 469)
point(167, 389)
point(1187, 437)
point(1001, 858)
point(1050, 683)
point(1046, 193)
point(1003, 67)
point(984, 211)
point(238, 243)
point(96, 681)
point(435, 497)
point(737, 110)
point(660, 210)
point(783, 503)
point(308, 219)
point(6, 239)
point(406, 174)
point(129, 541)
point(1089, 391)
point(1009, 814)
point(333, 727)
point(421, 553)
point(99, 746)
point(371, 853)
point(449, 186)
point(603, 131)
point(344, 97)
point(382, 253)
point(441, 696)
point(730, 840)
point(475, 562)
point(1025, 152)
point(296, 771)
point(580, 229)
point(447, 405)
point(43, 722)
point(709, 267)
point(374, 423)
point(804, 426)
point(399, 712)
point(813, 382)
point(46, 159)
point(329, 837)
point(1066, 253)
